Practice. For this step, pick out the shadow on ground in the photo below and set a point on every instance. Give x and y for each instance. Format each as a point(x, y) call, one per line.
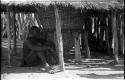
point(96, 76)
point(93, 64)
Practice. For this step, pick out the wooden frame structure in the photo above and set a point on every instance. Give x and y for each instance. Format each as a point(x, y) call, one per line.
point(78, 5)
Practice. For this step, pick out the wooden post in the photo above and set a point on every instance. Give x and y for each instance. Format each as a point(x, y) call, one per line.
point(59, 38)
point(115, 39)
point(122, 27)
point(93, 21)
point(55, 41)
point(14, 35)
point(120, 33)
point(102, 25)
point(77, 47)
point(98, 34)
point(86, 45)
point(95, 27)
point(107, 37)
point(9, 37)
point(123, 38)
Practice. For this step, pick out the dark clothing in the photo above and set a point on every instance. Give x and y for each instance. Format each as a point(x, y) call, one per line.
point(34, 58)
point(30, 58)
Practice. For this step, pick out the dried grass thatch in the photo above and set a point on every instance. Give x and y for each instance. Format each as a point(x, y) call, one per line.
point(69, 10)
point(27, 5)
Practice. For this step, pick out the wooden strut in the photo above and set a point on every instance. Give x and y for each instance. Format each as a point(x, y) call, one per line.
point(9, 37)
point(59, 38)
point(115, 38)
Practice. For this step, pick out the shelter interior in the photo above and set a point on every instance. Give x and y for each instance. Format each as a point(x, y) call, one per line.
point(91, 28)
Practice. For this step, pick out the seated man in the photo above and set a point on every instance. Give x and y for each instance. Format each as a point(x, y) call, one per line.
point(34, 52)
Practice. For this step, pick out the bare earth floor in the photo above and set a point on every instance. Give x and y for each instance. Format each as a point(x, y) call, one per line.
point(91, 69)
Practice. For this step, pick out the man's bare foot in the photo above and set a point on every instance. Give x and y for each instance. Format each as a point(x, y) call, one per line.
point(49, 70)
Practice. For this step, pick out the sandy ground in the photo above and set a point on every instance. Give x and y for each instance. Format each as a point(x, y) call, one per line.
point(71, 72)
point(92, 69)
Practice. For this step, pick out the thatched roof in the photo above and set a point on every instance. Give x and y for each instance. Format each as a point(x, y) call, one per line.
point(27, 5)
point(69, 10)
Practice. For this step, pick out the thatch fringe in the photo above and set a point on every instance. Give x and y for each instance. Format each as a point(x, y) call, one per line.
point(28, 5)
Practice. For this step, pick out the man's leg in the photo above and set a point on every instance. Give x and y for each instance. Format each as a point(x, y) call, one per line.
point(31, 58)
point(43, 59)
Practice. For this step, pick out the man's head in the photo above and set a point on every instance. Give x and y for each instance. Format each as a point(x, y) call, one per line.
point(34, 32)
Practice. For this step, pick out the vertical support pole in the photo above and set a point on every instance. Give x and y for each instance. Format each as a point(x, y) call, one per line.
point(120, 33)
point(14, 35)
point(77, 47)
point(122, 27)
point(93, 24)
point(55, 41)
point(95, 27)
point(115, 39)
point(86, 45)
point(98, 34)
point(107, 36)
point(9, 37)
point(59, 38)
point(102, 25)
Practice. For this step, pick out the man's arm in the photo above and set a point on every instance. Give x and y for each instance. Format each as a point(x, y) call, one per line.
point(35, 47)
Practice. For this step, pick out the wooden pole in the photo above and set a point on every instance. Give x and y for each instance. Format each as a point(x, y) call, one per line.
point(95, 27)
point(59, 38)
point(55, 41)
point(102, 25)
point(93, 21)
point(120, 33)
point(115, 39)
point(98, 34)
point(9, 37)
point(14, 35)
point(123, 37)
point(77, 47)
point(107, 37)
point(122, 27)
point(86, 45)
